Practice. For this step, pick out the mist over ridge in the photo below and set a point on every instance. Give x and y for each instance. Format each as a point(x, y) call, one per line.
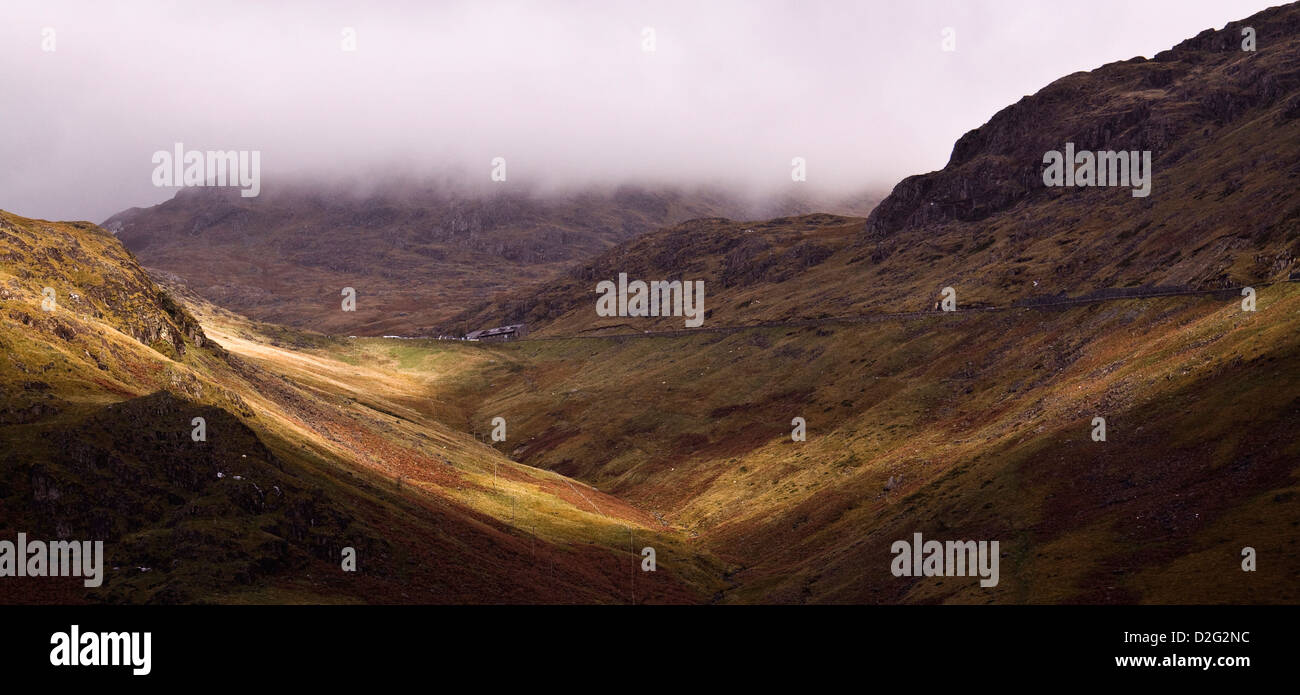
point(571, 94)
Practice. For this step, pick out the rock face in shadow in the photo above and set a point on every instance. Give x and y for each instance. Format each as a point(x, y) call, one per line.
point(178, 517)
point(1166, 105)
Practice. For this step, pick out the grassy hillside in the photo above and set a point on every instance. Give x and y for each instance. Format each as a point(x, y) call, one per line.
point(970, 424)
point(983, 423)
point(98, 400)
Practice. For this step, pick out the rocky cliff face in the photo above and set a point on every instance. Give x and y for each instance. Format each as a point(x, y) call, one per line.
point(91, 275)
point(1170, 105)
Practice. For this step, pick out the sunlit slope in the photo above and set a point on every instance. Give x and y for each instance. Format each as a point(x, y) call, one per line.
point(293, 469)
point(391, 412)
point(984, 422)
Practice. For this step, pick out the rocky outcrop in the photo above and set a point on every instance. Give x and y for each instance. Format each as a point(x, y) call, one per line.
point(1164, 105)
point(92, 276)
point(193, 515)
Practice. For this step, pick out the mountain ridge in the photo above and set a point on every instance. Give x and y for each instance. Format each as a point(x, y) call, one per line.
point(415, 255)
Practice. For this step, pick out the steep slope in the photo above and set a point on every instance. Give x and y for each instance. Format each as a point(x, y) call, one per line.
point(98, 397)
point(415, 256)
point(1223, 131)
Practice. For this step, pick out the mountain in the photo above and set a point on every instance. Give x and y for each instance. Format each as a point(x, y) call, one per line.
point(1222, 126)
point(414, 255)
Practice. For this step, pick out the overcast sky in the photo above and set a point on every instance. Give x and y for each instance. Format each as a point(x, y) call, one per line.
point(563, 89)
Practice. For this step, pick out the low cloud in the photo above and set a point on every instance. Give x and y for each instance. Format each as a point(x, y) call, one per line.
point(564, 90)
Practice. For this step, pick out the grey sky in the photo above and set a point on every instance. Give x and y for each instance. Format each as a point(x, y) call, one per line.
point(561, 88)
